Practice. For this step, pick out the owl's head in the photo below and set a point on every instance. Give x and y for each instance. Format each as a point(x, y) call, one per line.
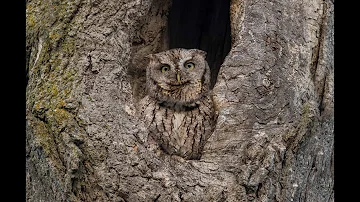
point(179, 76)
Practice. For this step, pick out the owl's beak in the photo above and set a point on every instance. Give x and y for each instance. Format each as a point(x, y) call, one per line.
point(178, 77)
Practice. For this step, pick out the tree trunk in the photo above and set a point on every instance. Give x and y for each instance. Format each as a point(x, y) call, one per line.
point(274, 138)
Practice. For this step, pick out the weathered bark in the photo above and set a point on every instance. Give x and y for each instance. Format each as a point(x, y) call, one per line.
point(274, 138)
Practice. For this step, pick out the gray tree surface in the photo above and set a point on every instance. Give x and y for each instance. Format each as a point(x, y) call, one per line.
point(274, 138)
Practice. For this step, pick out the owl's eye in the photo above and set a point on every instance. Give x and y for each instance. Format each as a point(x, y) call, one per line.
point(165, 68)
point(189, 65)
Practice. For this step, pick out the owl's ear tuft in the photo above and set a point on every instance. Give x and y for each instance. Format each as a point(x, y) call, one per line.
point(150, 57)
point(200, 52)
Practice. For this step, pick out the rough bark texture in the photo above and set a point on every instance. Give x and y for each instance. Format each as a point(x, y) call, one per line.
point(274, 139)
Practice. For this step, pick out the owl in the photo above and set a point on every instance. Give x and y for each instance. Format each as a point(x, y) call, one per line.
point(178, 108)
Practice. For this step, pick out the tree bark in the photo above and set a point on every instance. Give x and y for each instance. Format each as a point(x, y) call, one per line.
point(274, 138)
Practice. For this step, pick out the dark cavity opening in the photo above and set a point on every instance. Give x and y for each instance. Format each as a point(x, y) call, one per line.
point(201, 24)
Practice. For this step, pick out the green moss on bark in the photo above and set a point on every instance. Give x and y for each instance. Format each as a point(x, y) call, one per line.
point(295, 135)
point(52, 76)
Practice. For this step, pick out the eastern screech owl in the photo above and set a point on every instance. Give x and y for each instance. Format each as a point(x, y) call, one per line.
point(178, 108)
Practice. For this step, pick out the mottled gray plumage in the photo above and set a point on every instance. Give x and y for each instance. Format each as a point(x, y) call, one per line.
point(178, 109)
